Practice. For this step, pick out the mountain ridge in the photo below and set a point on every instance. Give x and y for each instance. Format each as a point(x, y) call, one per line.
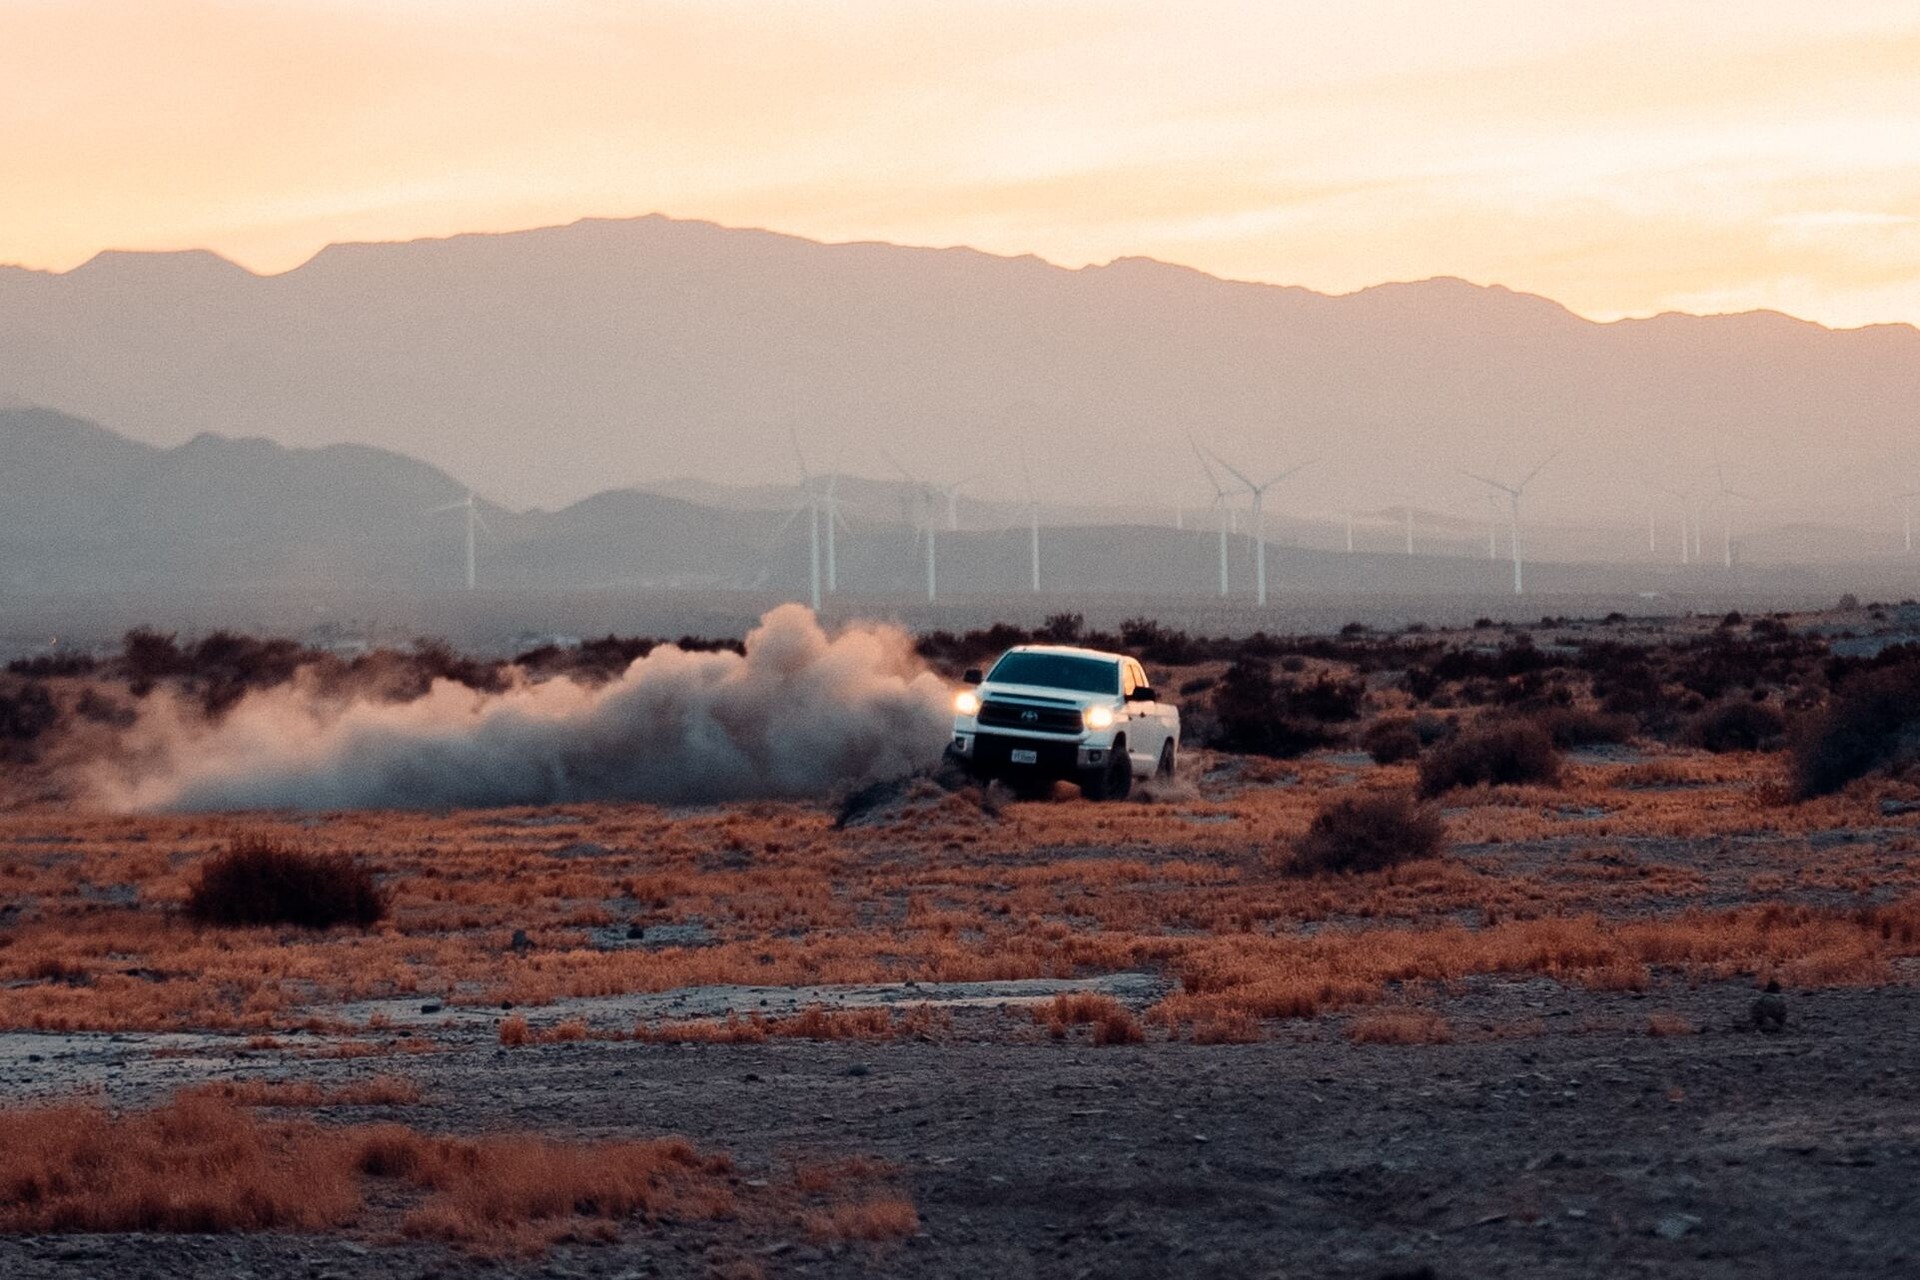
point(214, 258)
point(548, 364)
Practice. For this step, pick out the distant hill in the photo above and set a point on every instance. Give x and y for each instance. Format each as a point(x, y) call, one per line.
point(542, 366)
point(84, 509)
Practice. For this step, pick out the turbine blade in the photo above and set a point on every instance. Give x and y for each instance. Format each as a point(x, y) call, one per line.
point(895, 464)
point(1218, 493)
point(1289, 472)
point(1492, 484)
point(1537, 470)
point(1235, 473)
point(793, 433)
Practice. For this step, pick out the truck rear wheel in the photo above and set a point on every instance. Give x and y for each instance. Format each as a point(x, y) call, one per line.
point(1112, 782)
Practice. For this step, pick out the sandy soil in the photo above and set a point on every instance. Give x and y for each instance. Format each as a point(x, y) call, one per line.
point(1589, 1149)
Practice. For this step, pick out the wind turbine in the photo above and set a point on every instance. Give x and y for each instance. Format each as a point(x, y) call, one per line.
point(1219, 508)
point(1513, 492)
point(810, 503)
point(1033, 523)
point(474, 521)
point(1259, 492)
point(1906, 501)
point(1722, 495)
point(1689, 547)
point(927, 494)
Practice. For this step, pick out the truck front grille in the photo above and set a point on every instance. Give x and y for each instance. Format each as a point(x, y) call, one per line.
point(1033, 719)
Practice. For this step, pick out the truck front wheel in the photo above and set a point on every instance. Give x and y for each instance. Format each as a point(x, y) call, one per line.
point(1114, 781)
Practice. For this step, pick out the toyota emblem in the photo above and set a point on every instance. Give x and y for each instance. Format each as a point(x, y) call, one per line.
point(1030, 717)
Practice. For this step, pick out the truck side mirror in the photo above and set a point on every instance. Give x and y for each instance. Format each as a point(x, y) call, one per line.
point(1141, 693)
point(972, 676)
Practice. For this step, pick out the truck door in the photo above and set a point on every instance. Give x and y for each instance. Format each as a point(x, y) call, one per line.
point(1146, 723)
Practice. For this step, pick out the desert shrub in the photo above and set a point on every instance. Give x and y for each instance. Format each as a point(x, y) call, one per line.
point(1326, 698)
point(1256, 714)
point(27, 711)
point(892, 1218)
point(147, 655)
point(50, 665)
point(1738, 724)
point(1368, 833)
point(435, 659)
point(1391, 739)
point(1400, 1026)
point(1151, 642)
point(259, 880)
point(1871, 723)
point(1492, 753)
point(1583, 727)
point(1197, 685)
point(227, 666)
point(1110, 1020)
point(1063, 628)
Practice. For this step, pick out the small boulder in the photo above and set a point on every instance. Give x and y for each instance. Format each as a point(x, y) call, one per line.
point(1770, 1009)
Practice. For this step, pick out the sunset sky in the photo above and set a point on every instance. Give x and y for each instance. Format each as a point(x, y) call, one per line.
point(1623, 158)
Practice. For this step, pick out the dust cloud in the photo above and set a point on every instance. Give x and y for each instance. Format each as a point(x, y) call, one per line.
point(800, 714)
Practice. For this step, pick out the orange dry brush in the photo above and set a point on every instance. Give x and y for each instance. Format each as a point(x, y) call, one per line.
point(378, 1091)
point(1111, 1022)
point(1399, 1026)
point(201, 1164)
point(871, 1220)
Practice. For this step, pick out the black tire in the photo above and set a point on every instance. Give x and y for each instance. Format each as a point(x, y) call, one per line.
point(1168, 762)
point(1112, 782)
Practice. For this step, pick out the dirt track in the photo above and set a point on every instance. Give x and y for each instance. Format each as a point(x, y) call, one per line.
point(1593, 1149)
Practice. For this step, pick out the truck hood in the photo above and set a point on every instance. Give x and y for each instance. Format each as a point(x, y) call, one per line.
point(1041, 693)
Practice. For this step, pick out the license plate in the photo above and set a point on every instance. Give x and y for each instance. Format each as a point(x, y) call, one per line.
point(1025, 757)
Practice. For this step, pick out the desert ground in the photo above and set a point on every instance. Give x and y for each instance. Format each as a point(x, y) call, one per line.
point(1518, 1025)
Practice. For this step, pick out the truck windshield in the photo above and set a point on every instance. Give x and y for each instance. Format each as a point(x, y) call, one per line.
point(1057, 671)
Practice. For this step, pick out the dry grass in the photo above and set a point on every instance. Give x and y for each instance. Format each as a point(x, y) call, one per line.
point(199, 1165)
point(1399, 1026)
point(1669, 1024)
point(870, 1220)
point(203, 1163)
point(377, 1091)
point(815, 1022)
point(1110, 1020)
point(1567, 883)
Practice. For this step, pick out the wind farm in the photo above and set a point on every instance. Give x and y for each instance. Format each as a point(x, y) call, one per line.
point(855, 639)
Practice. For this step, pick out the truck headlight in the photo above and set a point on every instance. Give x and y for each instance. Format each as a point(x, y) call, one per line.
point(966, 702)
point(1099, 717)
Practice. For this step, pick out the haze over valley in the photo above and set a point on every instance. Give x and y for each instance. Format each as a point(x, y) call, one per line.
point(544, 366)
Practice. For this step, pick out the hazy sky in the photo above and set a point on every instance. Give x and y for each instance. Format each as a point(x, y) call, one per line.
point(1624, 157)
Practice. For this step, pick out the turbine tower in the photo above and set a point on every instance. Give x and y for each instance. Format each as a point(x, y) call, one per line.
point(1906, 502)
point(474, 521)
point(1219, 508)
point(1259, 492)
point(1724, 495)
point(1033, 523)
point(809, 503)
point(1513, 492)
point(927, 495)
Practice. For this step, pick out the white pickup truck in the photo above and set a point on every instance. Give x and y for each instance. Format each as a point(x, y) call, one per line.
point(1045, 713)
